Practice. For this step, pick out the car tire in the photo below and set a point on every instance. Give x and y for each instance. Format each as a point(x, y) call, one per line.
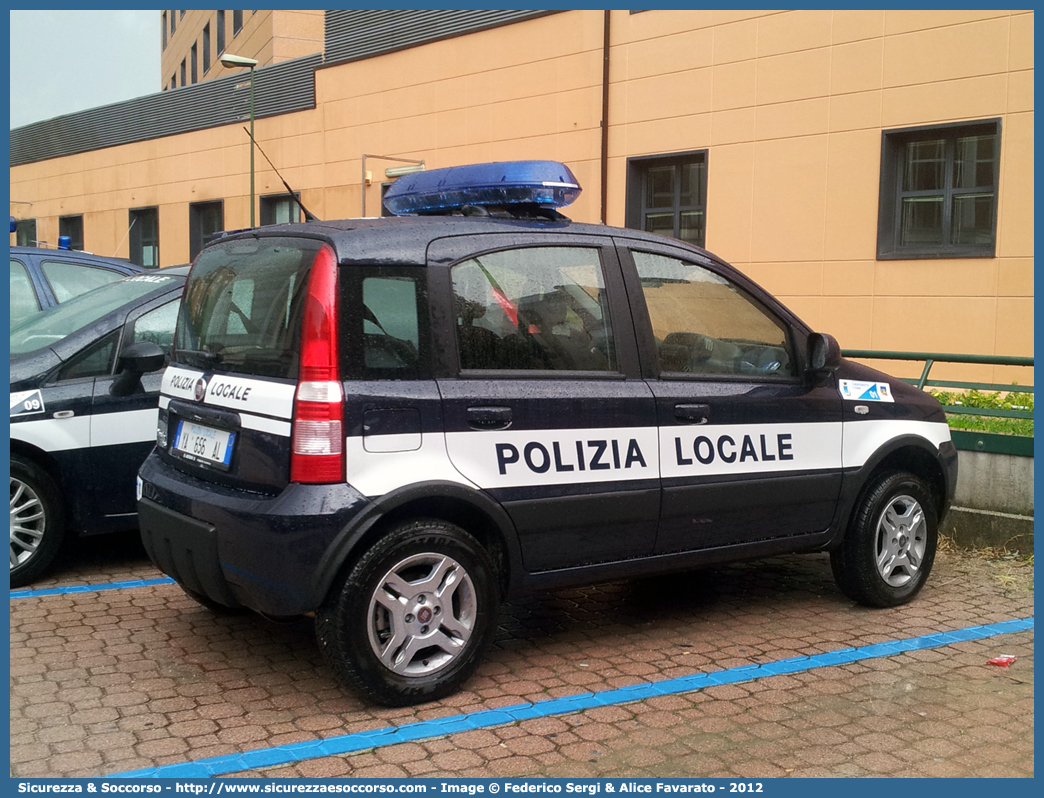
point(888, 551)
point(37, 521)
point(413, 616)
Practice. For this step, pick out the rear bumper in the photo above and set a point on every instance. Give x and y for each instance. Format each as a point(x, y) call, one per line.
point(240, 548)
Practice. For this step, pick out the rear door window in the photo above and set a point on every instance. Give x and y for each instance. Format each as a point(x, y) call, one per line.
point(243, 307)
point(537, 308)
point(23, 297)
point(72, 279)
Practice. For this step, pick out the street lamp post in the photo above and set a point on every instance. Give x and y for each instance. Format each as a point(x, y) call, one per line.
point(229, 60)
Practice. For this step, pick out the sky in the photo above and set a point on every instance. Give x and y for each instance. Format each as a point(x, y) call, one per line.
point(67, 61)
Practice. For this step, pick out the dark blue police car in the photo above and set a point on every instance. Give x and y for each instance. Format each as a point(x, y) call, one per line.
point(42, 278)
point(397, 423)
point(84, 390)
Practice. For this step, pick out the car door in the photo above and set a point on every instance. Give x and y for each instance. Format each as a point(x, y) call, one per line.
point(749, 450)
point(123, 428)
point(543, 402)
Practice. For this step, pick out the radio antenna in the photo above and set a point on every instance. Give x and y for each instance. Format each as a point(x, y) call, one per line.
point(309, 216)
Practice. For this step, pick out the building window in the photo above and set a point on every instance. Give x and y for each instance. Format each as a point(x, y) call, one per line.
point(181, 14)
point(667, 195)
point(939, 191)
point(237, 22)
point(206, 48)
point(25, 233)
point(173, 23)
point(144, 237)
point(220, 32)
point(173, 81)
point(72, 226)
point(163, 30)
point(280, 209)
point(205, 219)
point(183, 81)
point(193, 57)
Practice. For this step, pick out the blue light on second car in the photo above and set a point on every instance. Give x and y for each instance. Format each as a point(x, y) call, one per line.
point(546, 184)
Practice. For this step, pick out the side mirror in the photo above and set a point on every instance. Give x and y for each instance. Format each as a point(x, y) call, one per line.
point(137, 359)
point(824, 357)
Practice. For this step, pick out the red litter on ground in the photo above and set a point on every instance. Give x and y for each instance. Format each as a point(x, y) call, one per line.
point(1003, 661)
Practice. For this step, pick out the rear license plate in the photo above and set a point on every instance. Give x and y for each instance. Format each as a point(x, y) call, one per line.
point(204, 444)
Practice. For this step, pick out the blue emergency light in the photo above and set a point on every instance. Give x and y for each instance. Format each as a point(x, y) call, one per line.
point(541, 184)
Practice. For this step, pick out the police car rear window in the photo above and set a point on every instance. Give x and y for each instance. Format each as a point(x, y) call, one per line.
point(61, 321)
point(243, 306)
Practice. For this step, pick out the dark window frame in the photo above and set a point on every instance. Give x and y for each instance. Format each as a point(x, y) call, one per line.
point(206, 48)
point(195, 63)
point(220, 32)
point(163, 29)
point(183, 72)
point(889, 209)
point(237, 23)
point(635, 192)
point(75, 242)
point(23, 236)
point(266, 213)
point(137, 242)
point(197, 234)
point(173, 23)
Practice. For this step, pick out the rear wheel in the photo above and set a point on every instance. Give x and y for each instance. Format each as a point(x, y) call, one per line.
point(37, 521)
point(413, 617)
point(889, 549)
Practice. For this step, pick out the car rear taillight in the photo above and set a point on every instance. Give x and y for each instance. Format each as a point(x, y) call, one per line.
point(317, 453)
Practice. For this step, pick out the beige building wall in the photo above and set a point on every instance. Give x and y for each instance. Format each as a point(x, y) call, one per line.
point(789, 106)
point(269, 37)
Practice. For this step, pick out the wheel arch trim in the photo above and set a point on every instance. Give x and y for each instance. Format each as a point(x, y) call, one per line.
point(422, 496)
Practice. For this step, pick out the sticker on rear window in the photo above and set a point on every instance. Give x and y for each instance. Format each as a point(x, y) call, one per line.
point(865, 391)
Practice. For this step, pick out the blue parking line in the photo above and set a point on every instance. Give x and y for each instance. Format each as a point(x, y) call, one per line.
point(483, 719)
point(58, 591)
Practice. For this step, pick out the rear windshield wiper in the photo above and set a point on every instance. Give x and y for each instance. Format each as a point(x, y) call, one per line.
point(203, 357)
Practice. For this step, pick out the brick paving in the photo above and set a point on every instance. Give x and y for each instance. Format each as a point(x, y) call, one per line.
point(128, 679)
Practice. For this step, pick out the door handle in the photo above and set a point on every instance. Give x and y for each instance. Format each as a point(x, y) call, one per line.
point(692, 414)
point(486, 418)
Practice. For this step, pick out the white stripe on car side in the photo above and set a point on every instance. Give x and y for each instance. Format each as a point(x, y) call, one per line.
point(131, 426)
point(863, 438)
point(503, 459)
point(377, 473)
point(56, 434)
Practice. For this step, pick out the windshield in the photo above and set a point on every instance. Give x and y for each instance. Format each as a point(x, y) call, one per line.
point(243, 307)
point(52, 325)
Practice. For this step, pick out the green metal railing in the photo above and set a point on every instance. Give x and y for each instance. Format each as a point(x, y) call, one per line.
point(967, 439)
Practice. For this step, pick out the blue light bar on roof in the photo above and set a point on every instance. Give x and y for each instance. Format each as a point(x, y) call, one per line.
point(547, 184)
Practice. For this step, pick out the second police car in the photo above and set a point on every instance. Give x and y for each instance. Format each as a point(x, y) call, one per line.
point(84, 390)
point(397, 423)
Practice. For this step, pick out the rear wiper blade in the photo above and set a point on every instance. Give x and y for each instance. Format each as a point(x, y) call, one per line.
point(206, 357)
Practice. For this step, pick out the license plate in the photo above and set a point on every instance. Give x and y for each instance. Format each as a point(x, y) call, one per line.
point(204, 444)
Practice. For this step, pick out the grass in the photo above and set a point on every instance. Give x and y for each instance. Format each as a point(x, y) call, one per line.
point(1000, 400)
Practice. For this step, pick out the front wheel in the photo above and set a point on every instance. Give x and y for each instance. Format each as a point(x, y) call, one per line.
point(37, 522)
point(413, 617)
point(889, 548)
